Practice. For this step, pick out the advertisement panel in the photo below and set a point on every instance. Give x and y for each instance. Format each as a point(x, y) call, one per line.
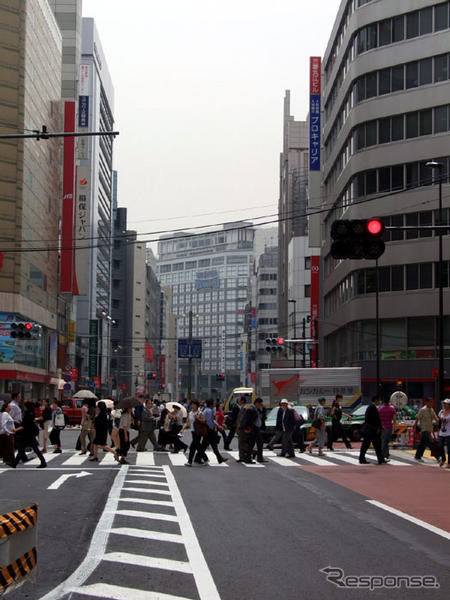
point(81, 258)
point(315, 294)
point(93, 348)
point(314, 113)
point(67, 224)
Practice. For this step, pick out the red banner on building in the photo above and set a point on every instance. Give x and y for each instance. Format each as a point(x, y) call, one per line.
point(314, 74)
point(315, 295)
point(67, 225)
point(149, 353)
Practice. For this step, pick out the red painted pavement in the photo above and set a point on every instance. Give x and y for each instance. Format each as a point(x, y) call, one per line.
point(419, 491)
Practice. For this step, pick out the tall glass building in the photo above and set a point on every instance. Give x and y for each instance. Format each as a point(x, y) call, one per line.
point(208, 274)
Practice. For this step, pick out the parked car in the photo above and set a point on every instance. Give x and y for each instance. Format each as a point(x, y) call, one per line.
point(271, 420)
point(71, 408)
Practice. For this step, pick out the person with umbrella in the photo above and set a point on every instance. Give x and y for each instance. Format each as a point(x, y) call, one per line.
point(101, 432)
point(176, 414)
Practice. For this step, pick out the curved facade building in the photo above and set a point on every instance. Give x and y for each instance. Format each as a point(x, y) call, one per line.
point(386, 113)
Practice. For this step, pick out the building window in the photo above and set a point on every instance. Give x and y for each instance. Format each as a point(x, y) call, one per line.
point(307, 291)
point(307, 263)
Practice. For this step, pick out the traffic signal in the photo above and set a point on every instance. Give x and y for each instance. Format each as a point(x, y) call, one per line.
point(357, 239)
point(274, 344)
point(28, 331)
point(153, 375)
point(220, 377)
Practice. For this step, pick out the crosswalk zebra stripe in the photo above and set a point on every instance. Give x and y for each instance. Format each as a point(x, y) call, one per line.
point(148, 561)
point(115, 592)
point(140, 514)
point(145, 534)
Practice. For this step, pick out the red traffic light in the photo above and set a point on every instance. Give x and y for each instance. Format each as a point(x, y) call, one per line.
point(280, 341)
point(28, 326)
point(375, 227)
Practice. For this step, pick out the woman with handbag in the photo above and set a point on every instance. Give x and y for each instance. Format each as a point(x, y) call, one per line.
point(101, 433)
point(7, 430)
point(58, 424)
point(320, 427)
point(30, 431)
point(197, 425)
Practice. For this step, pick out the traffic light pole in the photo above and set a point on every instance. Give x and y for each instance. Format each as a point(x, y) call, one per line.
point(377, 323)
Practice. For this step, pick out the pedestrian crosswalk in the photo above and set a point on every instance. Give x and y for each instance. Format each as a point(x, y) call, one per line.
point(148, 529)
point(147, 460)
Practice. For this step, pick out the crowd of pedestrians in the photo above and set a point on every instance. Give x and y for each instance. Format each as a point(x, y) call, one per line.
point(135, 422)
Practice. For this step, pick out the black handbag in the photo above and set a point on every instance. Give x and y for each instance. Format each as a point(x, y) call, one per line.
point(317, 423)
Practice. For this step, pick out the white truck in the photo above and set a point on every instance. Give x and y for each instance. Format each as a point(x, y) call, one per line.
point(306, 386)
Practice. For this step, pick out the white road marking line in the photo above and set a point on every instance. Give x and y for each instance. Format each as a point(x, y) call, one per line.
point(213, 460)
point(115, 592)
point(76, 459)
point(148, 535)
point(206, 587)
point(149, 475)
point(147, 501)
point(256, 465)
point(316, 460)
point(351, 460)
point(145, 491)
point(396, 463)
point(47, 457)
point(149, 561)
point(147, 515)
point(283, 462)
point(177, 459)
point(145, 458)
point(98, 543)
point(62, 478)
point(148, 483)
point(108, 459)
point(233, 453)
point(399, 513)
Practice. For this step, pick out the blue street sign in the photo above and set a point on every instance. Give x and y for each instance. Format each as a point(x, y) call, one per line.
point(67, 386)
point(92, 384)
point(189, 350)
point(67, 393)
point(67, 378)
point(196, 349)
point(183, 348)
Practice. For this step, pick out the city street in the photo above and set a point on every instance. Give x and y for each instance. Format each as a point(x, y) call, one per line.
point(155, 529)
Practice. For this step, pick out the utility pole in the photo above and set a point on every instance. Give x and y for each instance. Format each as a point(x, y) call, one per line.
point(294, 302)
point(189, 358)
point(304, 345)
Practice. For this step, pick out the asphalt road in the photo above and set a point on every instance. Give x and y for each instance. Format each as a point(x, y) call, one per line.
point(163, 531)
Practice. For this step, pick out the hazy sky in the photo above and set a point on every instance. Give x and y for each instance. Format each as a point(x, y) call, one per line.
point(199, 87)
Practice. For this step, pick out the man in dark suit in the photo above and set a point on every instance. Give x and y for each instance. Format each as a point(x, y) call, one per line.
point(288, 426)
point(372, 433)
point(233, 421)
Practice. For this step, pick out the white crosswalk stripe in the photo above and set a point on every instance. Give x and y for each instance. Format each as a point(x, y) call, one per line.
point(153, 471)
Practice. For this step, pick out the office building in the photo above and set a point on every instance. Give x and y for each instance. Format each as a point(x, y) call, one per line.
point(94, 210)
point(386, 114)
point(208, 275)
point(30, 93)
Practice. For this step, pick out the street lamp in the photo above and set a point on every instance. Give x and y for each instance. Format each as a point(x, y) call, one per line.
point(295, 332)
point(433, 164)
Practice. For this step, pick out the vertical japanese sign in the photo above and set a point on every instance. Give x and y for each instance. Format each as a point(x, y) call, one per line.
point(163, 370)
point(314, 113)
point(315, 294)
point(68, 209)
point(81, 254)
point(83, 110)
point(222, 352)
point(93, 348)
